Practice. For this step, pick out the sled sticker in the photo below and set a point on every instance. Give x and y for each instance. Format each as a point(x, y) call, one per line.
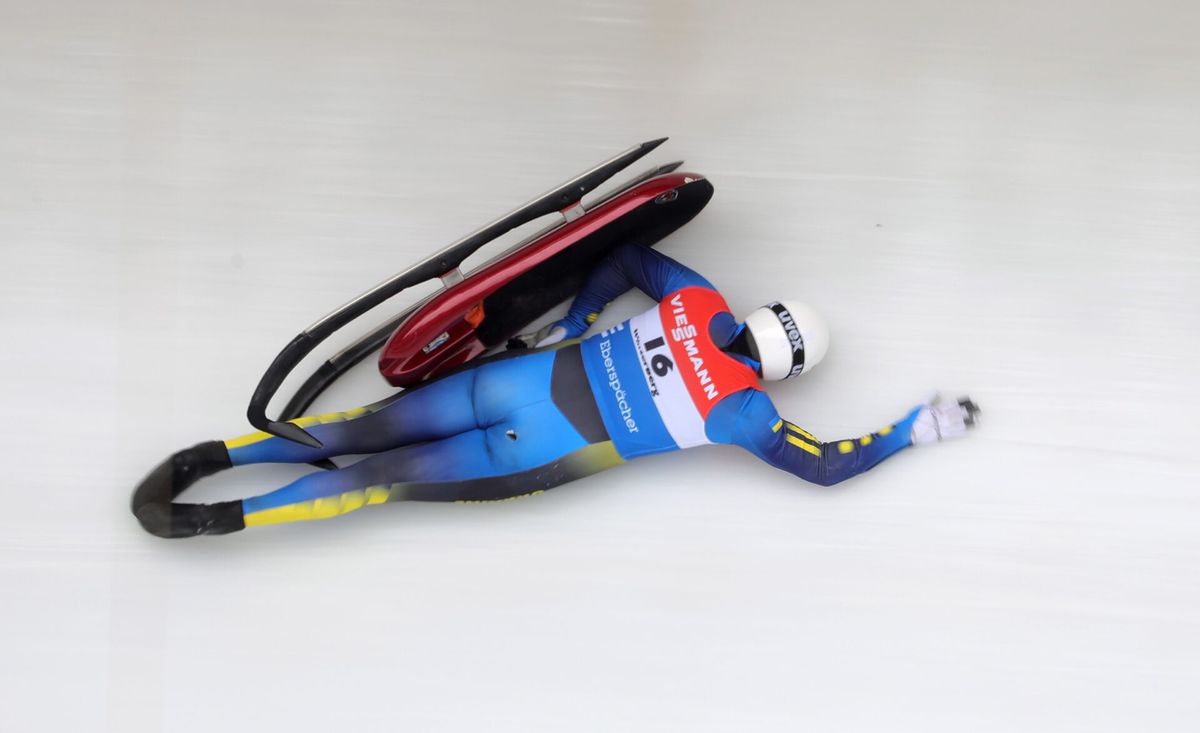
point(445, 336)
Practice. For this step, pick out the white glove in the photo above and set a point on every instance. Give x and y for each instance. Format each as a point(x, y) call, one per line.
point(547, 335)
point(942, 420)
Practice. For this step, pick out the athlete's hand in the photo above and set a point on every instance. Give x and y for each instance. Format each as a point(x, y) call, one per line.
point(944, 419)
point(546, 336)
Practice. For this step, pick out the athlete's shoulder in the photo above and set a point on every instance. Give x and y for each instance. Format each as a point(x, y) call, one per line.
point(736, 411)
point(660, 274)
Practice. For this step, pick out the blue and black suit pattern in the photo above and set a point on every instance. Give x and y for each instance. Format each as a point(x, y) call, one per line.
point(527, 421)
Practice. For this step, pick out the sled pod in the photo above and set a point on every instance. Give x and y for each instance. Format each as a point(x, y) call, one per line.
point(481, 309)
point(499, 299)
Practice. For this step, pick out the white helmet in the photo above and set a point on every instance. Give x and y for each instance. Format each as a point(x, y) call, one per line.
point(790, 338)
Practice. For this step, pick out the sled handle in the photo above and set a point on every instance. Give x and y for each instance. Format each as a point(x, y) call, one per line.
point(339, 364)
point(435, 266)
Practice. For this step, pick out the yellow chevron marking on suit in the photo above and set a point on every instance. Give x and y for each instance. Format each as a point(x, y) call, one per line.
point(247, 440)
point(305, 422)
point(886, 430)
point(865, 440)
point(775, 428)
point(597, 457)
point(321, 508)
point(331, 417)
point(592, 458)
point(592, 317)
point(803, 444)
point(801, 431)
point(846, 446)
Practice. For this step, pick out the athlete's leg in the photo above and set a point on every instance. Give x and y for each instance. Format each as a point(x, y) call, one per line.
point(434, 410)
point(513, 439)
point(441, 407)
point(329, 493)
point(533, 449)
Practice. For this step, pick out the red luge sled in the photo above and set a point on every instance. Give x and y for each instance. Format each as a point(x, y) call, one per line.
point(492, 303)
point(480, 310)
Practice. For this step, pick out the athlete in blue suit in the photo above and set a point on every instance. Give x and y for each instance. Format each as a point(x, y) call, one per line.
point(683, 374)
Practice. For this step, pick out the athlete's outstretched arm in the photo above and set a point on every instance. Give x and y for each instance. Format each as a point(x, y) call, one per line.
point(627, 266)
point(750, 420)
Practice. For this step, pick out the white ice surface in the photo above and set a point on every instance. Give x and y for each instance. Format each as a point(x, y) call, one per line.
point(1001, 198)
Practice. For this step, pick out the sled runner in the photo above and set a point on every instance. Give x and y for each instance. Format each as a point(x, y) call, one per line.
point(482, 309)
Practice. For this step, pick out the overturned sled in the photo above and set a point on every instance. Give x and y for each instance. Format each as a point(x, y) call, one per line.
point(482, 309)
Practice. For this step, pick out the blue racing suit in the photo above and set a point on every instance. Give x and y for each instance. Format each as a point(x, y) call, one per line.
point(528, 420)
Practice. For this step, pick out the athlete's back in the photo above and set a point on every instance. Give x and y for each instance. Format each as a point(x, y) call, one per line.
point(658, 376)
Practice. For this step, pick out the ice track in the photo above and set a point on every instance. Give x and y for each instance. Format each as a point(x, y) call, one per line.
point(1000, 198)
